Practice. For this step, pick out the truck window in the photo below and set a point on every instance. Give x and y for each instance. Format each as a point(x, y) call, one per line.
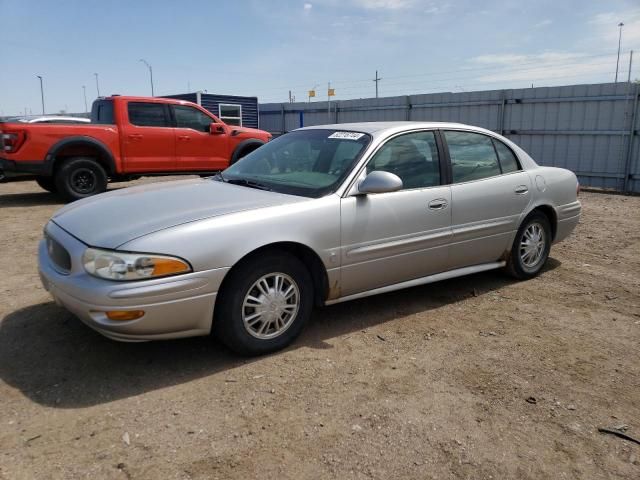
point(102, 112)
point(144, 114)
point(189, 117)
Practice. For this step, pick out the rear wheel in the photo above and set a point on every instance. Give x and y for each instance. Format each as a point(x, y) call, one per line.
point(264, 304)
point(80, 178)
point(531, 247)
point(47, 184)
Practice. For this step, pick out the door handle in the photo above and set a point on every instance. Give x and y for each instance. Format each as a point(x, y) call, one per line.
point(521, 189)
point(135, 136)
point(438, 204)
point(184, 137)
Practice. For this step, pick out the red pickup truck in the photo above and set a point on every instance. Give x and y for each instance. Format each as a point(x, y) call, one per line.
point(128, 137)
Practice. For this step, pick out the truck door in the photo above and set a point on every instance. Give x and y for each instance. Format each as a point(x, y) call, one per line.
point(198, 146)
point(148, 140)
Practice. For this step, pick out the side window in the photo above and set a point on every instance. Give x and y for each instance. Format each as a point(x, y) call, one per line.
point(472, 156)
point(147, 114)
point(189, 117)
point(413, 157)
point(508, 160)
point(230, 114)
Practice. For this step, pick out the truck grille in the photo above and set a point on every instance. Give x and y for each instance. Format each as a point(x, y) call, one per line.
point(58, 254)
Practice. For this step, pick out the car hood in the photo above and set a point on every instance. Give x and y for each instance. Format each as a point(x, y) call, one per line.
point(112, 219)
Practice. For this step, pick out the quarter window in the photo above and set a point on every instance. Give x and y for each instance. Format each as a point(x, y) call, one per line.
point(189, 117)
point(412, 157)
point(230, 114)
point(472, 156)
point(147, 114)
point(508, 160)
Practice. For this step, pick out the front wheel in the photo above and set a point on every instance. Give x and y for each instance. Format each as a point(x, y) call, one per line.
point(264, 304)
point(530, 248)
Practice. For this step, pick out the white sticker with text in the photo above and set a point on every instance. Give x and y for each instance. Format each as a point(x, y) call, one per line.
point(347, 135)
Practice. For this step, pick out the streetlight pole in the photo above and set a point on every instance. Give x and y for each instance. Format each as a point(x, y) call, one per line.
point(84, 91)
point(150, 74)
point(97, 84)
point(41, 92)
point(620, 25)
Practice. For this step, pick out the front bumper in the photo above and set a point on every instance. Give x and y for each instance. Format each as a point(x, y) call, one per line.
point(175, 307)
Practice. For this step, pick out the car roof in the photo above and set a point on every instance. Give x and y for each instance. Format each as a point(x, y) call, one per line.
point(383, 128)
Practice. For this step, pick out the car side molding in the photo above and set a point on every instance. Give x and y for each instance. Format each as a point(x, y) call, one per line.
point(458, 272)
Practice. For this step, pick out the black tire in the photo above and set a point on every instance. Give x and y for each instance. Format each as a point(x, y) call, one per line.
point(47, 183)
point(228, 322)
point(244, 150)
point(517, 266)
point(80, 178)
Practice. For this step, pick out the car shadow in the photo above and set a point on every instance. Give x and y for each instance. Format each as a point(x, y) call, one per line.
point(56, 361)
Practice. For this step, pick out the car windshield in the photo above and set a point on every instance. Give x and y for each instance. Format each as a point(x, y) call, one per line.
point(310, 163)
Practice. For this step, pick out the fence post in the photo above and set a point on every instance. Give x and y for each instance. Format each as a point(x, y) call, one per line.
point(336, 106)
point(632, 131)
point(407, 100)
point(501, 114)
point(283, 119)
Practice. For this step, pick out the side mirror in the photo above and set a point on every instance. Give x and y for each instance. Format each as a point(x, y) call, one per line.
point(380, 182)
point(216, 129)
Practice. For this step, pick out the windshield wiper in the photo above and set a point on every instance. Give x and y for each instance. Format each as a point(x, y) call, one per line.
point(246, 183)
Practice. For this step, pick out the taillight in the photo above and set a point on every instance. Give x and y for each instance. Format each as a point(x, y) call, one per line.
point(12, 141)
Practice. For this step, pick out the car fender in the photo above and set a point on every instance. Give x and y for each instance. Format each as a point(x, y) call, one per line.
point(106, 155)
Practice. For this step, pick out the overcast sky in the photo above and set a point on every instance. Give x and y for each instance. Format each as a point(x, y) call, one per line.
point(264, 48)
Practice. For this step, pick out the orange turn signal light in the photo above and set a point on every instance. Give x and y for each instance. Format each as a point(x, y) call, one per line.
point(123, 315)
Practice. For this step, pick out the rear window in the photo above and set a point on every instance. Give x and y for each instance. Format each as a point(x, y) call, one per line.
point(148, 114)
point(102, 112)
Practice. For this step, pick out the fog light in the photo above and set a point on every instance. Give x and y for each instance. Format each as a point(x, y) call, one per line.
point(123, 315)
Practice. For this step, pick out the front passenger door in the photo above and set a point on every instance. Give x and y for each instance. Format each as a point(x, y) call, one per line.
point(393, 237)
point(197, 148)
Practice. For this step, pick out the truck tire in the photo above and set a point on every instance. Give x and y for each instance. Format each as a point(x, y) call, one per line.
point(80, 177)
point(47, 183)
point(244, 149)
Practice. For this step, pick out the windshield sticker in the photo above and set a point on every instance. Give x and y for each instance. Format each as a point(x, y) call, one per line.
point(347, 135)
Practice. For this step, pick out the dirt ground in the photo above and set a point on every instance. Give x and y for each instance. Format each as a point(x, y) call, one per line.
point(480, 377)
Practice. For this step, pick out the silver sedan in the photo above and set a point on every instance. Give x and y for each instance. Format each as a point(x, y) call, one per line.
point(318, 216)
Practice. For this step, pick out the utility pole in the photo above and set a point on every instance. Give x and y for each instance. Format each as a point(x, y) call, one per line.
point(630, 65)
point(150, 74)
point(377, 79)
point(329, 101)
point(41, 92)
point(84, 91)
point(97, 84)
point(620, 25)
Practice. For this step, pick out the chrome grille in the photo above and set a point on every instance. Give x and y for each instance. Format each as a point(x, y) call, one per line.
point(58, 254)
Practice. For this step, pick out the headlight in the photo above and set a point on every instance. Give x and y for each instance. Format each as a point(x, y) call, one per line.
point(114, 265)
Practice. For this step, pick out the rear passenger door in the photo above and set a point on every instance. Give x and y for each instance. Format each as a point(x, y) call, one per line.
point(489, 192)
point(147, 139)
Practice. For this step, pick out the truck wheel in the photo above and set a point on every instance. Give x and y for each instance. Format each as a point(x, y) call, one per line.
point(80, 178)
point(47, 184)
point(244, 150)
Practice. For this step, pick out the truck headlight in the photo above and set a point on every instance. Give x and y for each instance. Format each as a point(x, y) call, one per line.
point(114, 265)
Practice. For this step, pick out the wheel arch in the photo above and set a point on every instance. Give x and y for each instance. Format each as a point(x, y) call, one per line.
point(79, 146)
point(551, 215)
point(309, 258)
point(249, 144)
